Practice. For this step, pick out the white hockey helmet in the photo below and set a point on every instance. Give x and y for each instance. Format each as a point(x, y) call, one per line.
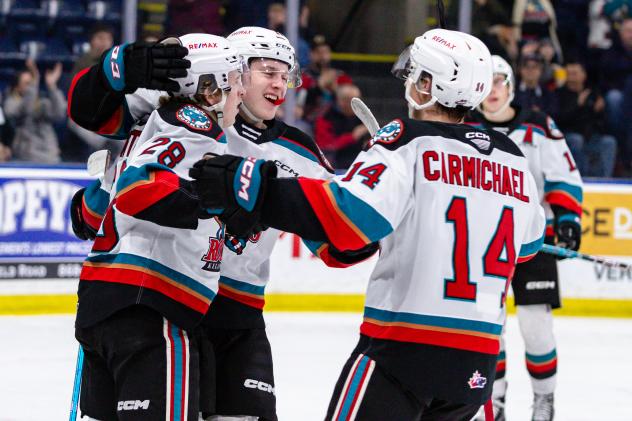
point(501, 67)
point(255, 42)
point(212, 59)
point(460, 66)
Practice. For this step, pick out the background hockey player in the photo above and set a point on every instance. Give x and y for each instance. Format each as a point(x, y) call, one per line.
point(455, 208)
point(235, 323)
point(154, 266)
point(535, 283)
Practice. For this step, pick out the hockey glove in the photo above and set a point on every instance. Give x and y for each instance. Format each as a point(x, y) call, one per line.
point(568, 231)
point(82, 230)
point(233, 188)
point(145, 65)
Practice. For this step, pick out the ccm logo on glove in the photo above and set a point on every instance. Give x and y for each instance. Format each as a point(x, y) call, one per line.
point(246, 177)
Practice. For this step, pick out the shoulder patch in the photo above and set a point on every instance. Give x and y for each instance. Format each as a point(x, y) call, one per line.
point(389, 133)
point(552, 131)
point(194, 117)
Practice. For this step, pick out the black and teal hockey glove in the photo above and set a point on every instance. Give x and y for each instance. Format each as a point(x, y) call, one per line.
point(80, 227)
point(128, 67)
point(567, 227)
point(233, 188)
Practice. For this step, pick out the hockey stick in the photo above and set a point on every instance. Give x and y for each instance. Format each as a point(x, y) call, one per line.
point(76, 388)
point(562, 252)
point(98, 163)
point(365, 115)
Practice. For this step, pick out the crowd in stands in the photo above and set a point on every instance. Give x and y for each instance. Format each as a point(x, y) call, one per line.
point(572, 59)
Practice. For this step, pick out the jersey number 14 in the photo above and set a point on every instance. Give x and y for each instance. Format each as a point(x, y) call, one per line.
point(494, 264)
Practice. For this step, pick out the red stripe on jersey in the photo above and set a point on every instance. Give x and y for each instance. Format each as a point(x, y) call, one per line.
point(501, 365)
point(432, 337)
point(542, 368)
point(329, 260)
point(72, 89)
point(522, 259)
point(113, 124)
point(250, 300)
point(144, 193)
point(130, 275)
point(565, 200)
point(89, 216)
point(172, 368)
point(339, 229)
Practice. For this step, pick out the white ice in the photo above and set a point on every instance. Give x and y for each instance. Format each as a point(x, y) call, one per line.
point(38, 354)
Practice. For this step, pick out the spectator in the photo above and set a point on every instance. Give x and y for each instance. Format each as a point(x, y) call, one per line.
point(618, 9)
point(572, 26)
point(581, 117)
point(552, 73)
point(339, 133)
point(320, 81)
point(33, 116)
point(599, 38)
point(276, 21)
point(616, 82)
point(101, 40)
point(491, 23)
point(6, 136)
point(530, 93)
point(195, 16)
point(534, 20)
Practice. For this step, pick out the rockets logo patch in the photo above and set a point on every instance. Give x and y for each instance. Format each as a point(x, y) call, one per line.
point(477, 381)
point(551, 127)
point(389, 133)
point(194, 117)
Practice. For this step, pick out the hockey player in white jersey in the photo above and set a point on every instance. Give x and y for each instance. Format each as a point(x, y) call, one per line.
point(454, 209)
point(235, 323)
point(535, 284)
point(154, 266)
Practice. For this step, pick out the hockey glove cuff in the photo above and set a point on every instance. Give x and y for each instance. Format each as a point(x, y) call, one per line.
point(233, 188)
point(145, 65)
point(568, 231)
point(82, 230)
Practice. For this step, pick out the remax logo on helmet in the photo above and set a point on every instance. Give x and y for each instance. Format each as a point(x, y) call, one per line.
point(444, 42)
point(197, 46)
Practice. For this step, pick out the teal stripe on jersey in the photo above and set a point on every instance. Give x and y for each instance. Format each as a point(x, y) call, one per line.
point(132, 175)
point(571, 189)
point(438, 321)
point(353, 388)
point(541, 358)
point(532, 247)
point(178, 366)
point(96, 198)
point(296, 148)
point(501, 356)
point(367, 219)
point(242, 286)
point(145, 263)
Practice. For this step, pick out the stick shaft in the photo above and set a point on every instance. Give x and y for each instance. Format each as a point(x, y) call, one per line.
point(562, 252)
point(76, 388)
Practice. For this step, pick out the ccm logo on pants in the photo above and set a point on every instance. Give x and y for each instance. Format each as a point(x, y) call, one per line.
point(256, 384)
point(132, 405)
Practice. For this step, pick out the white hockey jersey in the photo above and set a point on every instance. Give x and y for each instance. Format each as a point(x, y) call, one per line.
point(455, 209)
point(151, 238)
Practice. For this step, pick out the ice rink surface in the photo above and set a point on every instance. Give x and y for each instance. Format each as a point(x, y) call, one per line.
point(38, 355)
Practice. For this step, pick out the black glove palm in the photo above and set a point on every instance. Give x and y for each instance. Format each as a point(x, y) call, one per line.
point(568, 233)
point(82, 230)
point(233, 188)
point(153, 65)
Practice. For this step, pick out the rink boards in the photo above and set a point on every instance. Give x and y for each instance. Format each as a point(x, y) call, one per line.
point(40, 259)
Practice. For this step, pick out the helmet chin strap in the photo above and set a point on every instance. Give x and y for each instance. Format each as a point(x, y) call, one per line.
point(218, 108)
point(414, 105)
point(249, 114)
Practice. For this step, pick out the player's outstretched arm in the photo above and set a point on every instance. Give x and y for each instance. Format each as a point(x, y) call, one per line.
point(96, 99)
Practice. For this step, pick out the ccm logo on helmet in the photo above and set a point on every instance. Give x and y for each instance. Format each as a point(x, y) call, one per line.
point(246, 177)
point(444, 42)
point(202, 45)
